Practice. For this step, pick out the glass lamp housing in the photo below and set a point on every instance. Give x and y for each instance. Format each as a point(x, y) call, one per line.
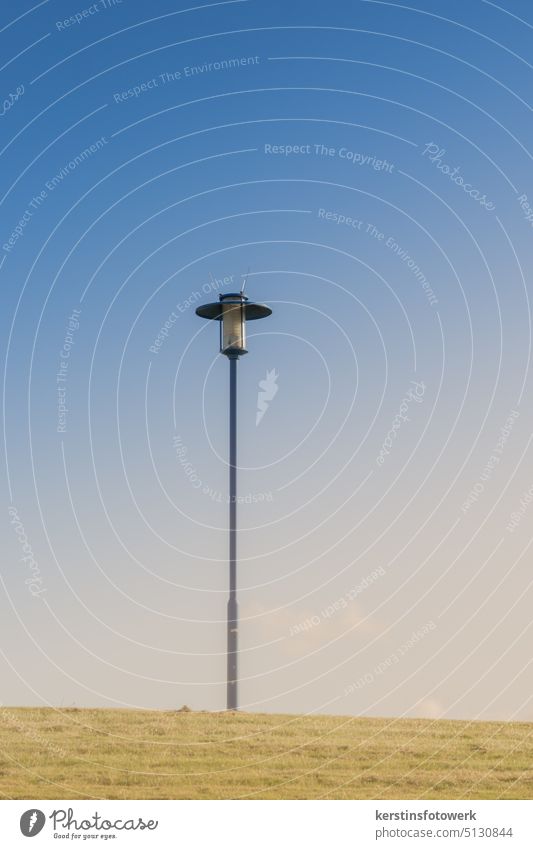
point(232, 326)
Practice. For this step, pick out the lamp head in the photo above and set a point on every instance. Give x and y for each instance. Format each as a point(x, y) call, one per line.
point(233, 311)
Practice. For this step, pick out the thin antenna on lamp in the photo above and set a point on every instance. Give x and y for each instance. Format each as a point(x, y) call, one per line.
point(246, 276)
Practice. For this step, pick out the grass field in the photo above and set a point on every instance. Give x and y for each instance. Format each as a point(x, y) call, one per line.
point(119, 754)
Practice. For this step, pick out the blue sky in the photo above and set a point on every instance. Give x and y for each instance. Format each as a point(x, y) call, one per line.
point(369, 162)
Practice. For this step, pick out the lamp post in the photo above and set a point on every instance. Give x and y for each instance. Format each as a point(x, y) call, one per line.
point(233, 311)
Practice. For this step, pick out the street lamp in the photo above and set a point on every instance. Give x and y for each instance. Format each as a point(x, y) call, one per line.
point(233, 311)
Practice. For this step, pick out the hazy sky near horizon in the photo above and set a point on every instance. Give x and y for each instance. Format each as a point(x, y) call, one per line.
point(370, 163)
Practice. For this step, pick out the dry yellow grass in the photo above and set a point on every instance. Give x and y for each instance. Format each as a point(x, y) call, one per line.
point(119, 754)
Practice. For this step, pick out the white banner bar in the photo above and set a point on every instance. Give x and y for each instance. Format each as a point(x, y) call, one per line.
point(269, 824)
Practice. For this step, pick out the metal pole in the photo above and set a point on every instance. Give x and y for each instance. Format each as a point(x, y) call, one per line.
point(233, 614)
